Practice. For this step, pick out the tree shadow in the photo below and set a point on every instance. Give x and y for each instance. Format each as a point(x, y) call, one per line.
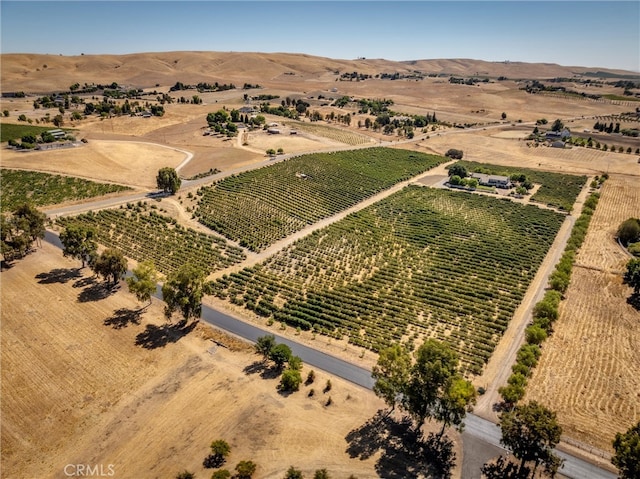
point(96, 291)
point(262, 368)
point(403, 451)
point(634, 301)
point(59, 275)
point(123, 316)
point(159, 336)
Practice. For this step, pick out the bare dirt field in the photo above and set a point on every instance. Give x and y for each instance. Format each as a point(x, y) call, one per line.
point(77, 389)
point(588, 372)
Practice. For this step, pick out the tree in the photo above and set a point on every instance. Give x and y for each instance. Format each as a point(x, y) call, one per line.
point(168, 180)
point(629, 231)
point(220, 449)
point(632, 275)
point(265, 344)
point(458, 397)
point(280, 354)
point(79, 242)
point(221, 474)
point(454, 154)
point(458, 170)
point(627, 452)
point(293, 473)
point(33, 220)
point(503, 116)
point(185, 475)
point(143, 282)
point(183, 291)
point(321, 474)
point(290, 380)
point(245, 469)
point(391, 374)
point(531, 432)
point(557, 125)
point(111, 264)
point(436, 364)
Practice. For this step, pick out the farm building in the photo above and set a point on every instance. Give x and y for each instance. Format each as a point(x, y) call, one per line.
point(492, 180)
point(557, 135)
point(57, 134)
point(247, 109)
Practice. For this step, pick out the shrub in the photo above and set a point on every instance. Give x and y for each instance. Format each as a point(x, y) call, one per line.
point(454, 154)
point(290, 380)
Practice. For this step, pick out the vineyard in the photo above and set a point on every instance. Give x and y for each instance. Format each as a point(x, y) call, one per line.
point(557, 189)
point(142, 234)
point(336, 134)
point(420, 263)
point(42, 189)
point(259, 207)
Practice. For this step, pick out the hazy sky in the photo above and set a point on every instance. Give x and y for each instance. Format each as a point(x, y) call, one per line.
point(581, 33)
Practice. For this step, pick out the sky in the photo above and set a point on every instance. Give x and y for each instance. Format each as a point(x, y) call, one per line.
point(571, 33)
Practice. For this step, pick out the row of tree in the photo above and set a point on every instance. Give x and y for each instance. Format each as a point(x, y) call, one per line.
point(19, 231)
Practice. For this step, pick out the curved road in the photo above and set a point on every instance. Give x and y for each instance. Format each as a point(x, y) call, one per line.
point(574, 467)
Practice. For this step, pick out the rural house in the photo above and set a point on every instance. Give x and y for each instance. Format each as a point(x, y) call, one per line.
point(492, 180)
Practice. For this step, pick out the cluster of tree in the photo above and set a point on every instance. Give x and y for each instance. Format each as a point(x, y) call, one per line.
point(108, 108)
point(220, 449)
point(222, 122)
point(194, 100)
point(249, 86)
point(293, 473)
point(168, 180)
point(19, 230)
point(431, 387)
point(120, 93)
point(374, 106)
point(467, 81)
point(354, 76)
point(535, 86)
point(264, 97)
point(603, 128)
point(530, 432)
point(279, 111)
point(80, 242)
point(458, 174)
point(298, 104)
point(203, 86)
point(281, 355)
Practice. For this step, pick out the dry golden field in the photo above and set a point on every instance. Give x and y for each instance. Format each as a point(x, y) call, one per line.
point(588, 371)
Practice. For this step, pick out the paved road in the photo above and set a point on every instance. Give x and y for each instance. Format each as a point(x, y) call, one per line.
point(489, 432)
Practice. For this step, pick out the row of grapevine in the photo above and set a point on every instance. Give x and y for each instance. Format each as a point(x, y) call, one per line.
point(423, 262)
point(41, 189)
point(259, 207)
point(142, 234)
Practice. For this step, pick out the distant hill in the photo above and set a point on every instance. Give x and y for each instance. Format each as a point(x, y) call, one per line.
point(40, 73)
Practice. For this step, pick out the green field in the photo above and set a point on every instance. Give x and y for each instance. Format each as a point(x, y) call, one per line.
point(557, 190)
point(259, 207)
point(143, 234)
point(10, 131)
point(423, 262)
point(41, 189)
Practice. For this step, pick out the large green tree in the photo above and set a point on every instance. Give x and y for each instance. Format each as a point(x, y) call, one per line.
point(19, 230)
point(531, 432)
point(391, 374)
point(629, 231)
point(280, 354)
point(265, 344)
point(245, 469)
point(632, 275)
point(79, 242)
point(436, 364)
point(627, 452)
point(168, 180)
point(143, 281)
point(183, 291)
point(458, 397)
point(111, 265)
